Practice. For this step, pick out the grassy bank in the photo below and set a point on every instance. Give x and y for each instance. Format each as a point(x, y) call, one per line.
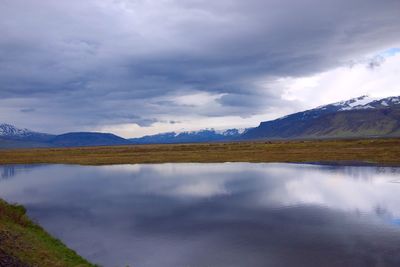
point(23, 243)
point(375, 151)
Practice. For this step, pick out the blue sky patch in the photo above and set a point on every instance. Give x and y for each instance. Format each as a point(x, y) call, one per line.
point(390, 52)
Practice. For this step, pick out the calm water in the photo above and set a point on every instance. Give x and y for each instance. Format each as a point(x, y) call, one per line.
point(233, 214)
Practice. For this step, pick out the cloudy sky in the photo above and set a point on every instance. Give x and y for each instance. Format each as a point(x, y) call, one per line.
point(135, 67)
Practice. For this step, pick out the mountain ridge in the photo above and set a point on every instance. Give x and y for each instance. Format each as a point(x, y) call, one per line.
point(206, 135)
point(13, 137)
point(357, 117)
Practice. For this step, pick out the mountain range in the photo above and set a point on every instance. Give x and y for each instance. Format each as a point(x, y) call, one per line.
point(357, 117)
point(12, 137)
point(207, 135)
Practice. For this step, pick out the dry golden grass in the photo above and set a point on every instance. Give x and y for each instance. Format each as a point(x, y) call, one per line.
point(374, 151)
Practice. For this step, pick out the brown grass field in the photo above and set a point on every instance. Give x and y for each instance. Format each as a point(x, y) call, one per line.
point(385, 152)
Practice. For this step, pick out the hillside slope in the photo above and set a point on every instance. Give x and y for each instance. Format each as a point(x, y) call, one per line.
point(376, 118)
point(87, 139)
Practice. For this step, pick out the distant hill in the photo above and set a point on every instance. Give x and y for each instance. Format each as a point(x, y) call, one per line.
point(87, 139)
point(13, 137)
point(358, 117)
point(208, 135)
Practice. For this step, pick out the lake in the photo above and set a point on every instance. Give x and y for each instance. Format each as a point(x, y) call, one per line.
point(204, 215)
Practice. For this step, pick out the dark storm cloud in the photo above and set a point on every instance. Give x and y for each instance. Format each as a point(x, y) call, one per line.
point(93, 62)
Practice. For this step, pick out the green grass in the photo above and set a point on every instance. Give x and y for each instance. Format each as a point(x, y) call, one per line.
point(28, 244)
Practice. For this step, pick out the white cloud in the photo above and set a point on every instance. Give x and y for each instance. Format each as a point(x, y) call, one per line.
point(301, 93)
point(345, 82)
point(196, 99)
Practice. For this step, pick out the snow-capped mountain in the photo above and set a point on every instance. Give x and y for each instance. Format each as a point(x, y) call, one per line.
point(358, 103)
point(358, 117)
point(11, 136)
point(7, 130)
point(207, 135)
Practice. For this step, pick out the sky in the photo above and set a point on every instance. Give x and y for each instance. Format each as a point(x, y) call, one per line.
point(138, 67)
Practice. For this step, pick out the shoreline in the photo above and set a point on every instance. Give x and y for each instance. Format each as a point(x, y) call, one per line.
point(24, 243)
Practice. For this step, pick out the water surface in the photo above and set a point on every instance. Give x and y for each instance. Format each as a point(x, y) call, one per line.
point(232, 214)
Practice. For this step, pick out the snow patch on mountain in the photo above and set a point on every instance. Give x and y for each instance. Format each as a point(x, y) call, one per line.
point(356, 103)
point(359, 103)
point(224, 132)
point(230, 132)
point(363, 102)
point(8, 130)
